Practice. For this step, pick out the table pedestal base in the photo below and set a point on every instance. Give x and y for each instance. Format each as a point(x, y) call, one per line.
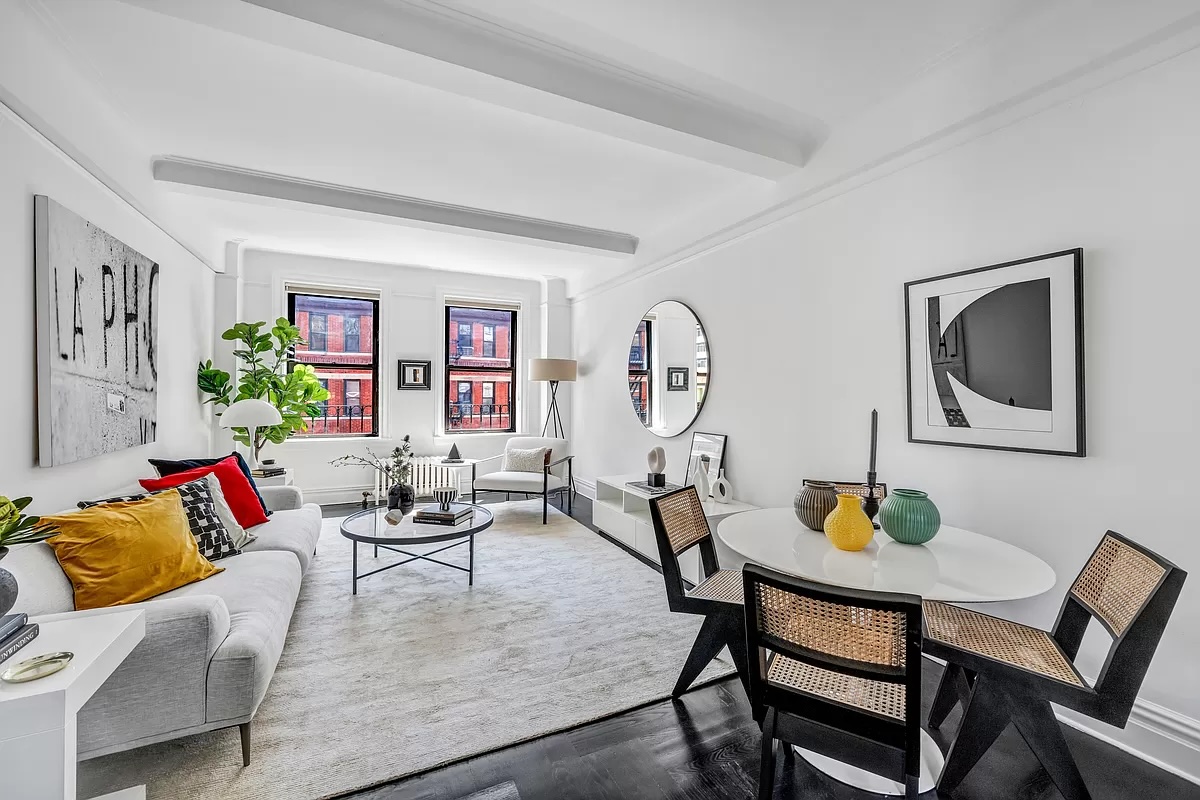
point(932, 761)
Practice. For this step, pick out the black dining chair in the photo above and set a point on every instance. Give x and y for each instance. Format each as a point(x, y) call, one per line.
point(836, 671)
point(679, 525)
point(1005, 672)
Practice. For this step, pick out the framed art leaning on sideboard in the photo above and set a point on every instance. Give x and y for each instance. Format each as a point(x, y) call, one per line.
point(995, 356)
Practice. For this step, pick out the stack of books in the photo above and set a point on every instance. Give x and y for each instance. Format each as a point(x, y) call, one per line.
point(268, 472)
point(433, 515)
point(16, 631)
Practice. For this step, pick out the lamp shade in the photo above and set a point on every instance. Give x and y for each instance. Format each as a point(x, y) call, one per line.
point(250, 413)
point(552, 369)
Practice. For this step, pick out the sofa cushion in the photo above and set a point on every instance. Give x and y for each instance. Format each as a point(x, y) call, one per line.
point(167, 467)
point(259, 590)
point(517, 482)
point(295, 531)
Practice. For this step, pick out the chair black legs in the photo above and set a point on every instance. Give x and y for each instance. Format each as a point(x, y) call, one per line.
point(766, 772)
point(953, 688)
point(985, 719)
point(709, 642)
point(1037, 725)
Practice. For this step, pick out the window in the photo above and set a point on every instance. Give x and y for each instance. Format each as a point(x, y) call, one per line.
point(481, 378)
point(342, 348)
point(489, 341)
point(641, 371)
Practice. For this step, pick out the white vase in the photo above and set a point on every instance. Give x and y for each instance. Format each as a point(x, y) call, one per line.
point(722, 489)
point(700, 480)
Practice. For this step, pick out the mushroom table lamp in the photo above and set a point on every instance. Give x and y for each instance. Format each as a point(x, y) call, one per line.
point(251, 414)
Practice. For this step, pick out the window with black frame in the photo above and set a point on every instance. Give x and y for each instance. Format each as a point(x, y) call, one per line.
point(641, 371)
point(481, 375)
point(343, 346)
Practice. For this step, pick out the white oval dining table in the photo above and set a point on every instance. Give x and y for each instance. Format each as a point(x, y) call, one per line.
point(956, 566)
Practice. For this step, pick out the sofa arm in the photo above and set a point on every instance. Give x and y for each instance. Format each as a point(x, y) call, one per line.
point(162, 685)
point(282, 498)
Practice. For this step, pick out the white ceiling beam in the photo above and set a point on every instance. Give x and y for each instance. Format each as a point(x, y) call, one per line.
point(505, 66)
point(225, 178)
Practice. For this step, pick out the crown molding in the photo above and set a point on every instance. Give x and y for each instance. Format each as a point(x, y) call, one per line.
point(226, 178)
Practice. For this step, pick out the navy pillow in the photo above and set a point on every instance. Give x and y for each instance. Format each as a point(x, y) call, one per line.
point(166, 468)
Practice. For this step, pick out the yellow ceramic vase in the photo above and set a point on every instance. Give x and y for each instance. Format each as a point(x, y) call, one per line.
point(847, 526)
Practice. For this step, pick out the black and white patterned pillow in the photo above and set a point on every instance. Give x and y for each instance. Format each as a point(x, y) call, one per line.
point(212, 537)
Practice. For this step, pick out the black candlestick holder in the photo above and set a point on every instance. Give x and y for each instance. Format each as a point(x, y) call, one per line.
point(871, 501)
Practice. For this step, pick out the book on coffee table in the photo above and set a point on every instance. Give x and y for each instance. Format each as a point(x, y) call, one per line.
point(24, 635)
point(11, 623)
point(436, 516)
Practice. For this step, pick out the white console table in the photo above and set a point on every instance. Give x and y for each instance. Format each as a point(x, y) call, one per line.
point(623, 512)
point(37, 719)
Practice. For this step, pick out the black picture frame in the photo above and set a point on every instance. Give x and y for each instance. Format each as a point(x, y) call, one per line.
point(712, 445)
point(677, 379)
point(1066, 434)
point(406, 379)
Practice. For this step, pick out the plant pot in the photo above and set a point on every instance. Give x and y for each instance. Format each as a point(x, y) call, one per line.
point(402, 496)
point(813, 503)
point(8, 587)
point(909, 516)
point(847, 526)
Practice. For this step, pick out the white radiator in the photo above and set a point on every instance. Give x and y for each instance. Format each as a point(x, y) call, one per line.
point(428, 473)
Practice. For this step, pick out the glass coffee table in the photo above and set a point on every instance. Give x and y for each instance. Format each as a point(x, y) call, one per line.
point(387, 530)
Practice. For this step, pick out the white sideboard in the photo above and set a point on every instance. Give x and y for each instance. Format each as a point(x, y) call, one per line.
point(623, 513)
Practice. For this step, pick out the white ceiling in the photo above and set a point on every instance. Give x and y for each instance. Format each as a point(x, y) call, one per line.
point(242, 84)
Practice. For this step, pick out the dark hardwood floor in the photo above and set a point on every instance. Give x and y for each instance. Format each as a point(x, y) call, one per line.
point(706, 746)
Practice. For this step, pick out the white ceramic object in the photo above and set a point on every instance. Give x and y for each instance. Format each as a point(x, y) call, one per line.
point(656, 460)
point(956, 566)
point(722, 489)
point(700, 480)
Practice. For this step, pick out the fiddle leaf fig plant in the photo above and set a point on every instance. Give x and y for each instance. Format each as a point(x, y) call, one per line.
point(264, 375)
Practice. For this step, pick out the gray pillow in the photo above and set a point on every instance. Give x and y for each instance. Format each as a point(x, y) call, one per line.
point(526, 460)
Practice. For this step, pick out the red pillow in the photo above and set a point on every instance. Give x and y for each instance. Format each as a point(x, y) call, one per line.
point(236, 487)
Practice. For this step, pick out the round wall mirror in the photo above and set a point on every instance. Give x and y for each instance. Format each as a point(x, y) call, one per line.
point(668, 368)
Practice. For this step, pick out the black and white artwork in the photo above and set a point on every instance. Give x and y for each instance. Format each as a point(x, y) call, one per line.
point(995, 356)
point(414, 374)
point(707, 449)
point(677, 379)
point(97, 324)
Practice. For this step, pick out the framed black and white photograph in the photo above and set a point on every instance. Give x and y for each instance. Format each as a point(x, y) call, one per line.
point(995, 356)
point(677, 379)
point(707, 449)
point(414, 375)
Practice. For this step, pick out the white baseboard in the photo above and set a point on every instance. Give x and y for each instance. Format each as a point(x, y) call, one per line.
point(336, 494)
point(585, 487)
point(1158, 735)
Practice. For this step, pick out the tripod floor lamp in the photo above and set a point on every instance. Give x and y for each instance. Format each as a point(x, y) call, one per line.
point(553, 370)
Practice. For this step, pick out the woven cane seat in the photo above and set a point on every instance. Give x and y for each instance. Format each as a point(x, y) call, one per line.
point(724, 585)
point(878, 697)
point(1000, 640)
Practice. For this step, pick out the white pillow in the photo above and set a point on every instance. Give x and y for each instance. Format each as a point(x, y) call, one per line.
point(240, 536)
point(526, 460)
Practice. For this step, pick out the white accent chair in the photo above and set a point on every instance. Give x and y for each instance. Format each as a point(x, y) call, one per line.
point(555, 477)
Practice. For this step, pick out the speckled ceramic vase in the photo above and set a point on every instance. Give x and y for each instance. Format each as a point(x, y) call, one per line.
point(813, 503)
point(847, 527)
point(909, 516)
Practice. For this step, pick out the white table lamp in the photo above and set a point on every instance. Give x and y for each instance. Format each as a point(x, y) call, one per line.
point(553, 370)
point(251, 414)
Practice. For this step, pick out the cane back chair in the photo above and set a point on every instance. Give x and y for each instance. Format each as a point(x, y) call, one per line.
point(679, 525)
point(843, 677)
point(1005, 672)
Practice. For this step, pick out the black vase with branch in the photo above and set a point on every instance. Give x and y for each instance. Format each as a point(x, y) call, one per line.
point(395, 470)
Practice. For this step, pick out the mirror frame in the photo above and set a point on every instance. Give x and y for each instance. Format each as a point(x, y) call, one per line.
point(707, 385)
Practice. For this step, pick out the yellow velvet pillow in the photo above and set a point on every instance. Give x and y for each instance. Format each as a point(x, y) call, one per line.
point(120, 553)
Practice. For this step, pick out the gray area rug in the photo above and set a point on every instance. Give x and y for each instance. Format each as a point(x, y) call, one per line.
point(418, 670)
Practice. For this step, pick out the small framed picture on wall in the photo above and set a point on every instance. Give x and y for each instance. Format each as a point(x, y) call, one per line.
point(414, 375)
point(677, 379)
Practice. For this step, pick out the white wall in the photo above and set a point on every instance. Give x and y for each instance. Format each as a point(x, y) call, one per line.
point(28, 166)
point(412, 320)
point(1115, 171)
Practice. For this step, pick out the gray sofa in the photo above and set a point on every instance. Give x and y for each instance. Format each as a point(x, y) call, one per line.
point(210, 647)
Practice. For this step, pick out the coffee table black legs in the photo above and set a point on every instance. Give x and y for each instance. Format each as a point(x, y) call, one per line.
point(469, 569)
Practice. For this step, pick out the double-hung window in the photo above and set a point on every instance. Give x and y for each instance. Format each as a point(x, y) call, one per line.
point(481, 371)
point(641, 371)
point(342, 346)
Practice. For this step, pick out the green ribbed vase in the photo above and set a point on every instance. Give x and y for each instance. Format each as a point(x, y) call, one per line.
point(909, 516)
